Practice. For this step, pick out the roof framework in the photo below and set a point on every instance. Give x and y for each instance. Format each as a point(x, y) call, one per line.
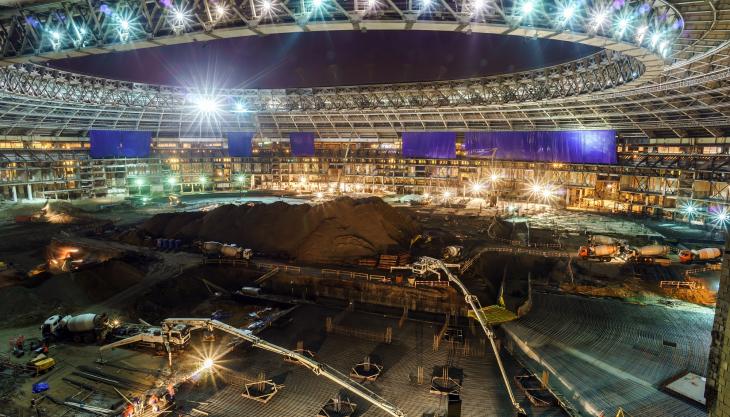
point(626, 85)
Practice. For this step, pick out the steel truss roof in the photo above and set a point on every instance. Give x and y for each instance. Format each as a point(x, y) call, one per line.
point(592, 92)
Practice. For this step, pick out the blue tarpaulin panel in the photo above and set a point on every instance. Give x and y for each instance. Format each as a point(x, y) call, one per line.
point(575, 146)
point(429, 144)
point(302, 143)
point(119, 144)
point(240, 143)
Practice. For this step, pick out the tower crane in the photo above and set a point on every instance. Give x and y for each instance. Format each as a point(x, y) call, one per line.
point(316, 367)
point(437, 267)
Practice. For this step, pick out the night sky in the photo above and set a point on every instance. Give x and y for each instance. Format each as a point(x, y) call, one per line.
point(328, 59)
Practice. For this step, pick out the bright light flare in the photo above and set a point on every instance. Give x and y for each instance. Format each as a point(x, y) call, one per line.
point(124, 24)
point(720, 217)
point(568, 13)
point(542, 192)
point(202, 179)
point(207, 105)
point(655, 38)
point(494, 178)
point(599, 19)
point(425, 4)
point(622, 25)
point(689, 208)
point(319, 195)
point(172, 180)
point(317, 3)
point(447, 195)
point(208, 363)
point(139, 182)
point(478, 5)
point(220, 11)
point(527, 7)
point(477, 187)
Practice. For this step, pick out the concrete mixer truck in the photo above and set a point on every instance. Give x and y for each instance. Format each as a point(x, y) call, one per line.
point(222, 250)
point(695, 256)
point(603, 253)
point(86, 328)
point(651, 254)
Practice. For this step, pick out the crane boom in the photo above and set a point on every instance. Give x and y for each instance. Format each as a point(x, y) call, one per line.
point(317, 368)
point(434, 265)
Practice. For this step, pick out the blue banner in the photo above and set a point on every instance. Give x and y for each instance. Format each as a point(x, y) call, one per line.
point(429, 145)
point(119, 144)
point(240, 143)
point(575, 146)
point(302, 143)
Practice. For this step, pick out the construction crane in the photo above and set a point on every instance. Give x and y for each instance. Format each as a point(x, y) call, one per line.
point(437, 266)
point(317, 367)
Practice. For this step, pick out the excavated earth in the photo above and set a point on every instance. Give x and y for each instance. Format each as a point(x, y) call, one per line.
point(338, 231)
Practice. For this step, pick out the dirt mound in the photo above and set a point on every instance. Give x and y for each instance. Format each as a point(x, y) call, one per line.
point(37, 299)
point(338, 231)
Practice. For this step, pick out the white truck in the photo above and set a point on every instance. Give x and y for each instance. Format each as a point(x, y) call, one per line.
point(150, 337)
point(86, 328)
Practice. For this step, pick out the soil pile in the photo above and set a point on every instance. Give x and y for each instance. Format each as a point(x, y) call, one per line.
point(66, 293)
point(338, 231)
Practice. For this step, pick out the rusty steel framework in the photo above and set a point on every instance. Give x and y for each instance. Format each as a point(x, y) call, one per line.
point(627, 85)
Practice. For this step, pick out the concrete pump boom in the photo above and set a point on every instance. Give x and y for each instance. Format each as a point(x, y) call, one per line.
point(434, 265)
point(317, 367)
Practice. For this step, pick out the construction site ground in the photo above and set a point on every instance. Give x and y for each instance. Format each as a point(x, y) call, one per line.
point(625, 298)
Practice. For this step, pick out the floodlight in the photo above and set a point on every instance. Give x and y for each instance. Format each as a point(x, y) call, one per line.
point(623, 24)
point(208, 363)
point(528, 7)
point(172, 180)
point(220, 10)
point(568, 12)
point(655, 38)
point(55, 35)
point(477, 187)
point(139, 182)
point(478, 5)
point(202, 179)
point(494, 178)
point(319, 194)
point(447, 194)
point(124, 24)
point(207, 105)
point(241, 178)
point(599, 18)
point(317, 3)
point(425, 4)
point(372, 3)
point(426, 195)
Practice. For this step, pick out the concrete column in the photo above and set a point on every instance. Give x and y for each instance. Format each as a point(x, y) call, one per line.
point(30, 191)
point(15, 193)
point(717, 390)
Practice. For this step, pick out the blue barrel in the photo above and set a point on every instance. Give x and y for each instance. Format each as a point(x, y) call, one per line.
point(178, 242)
point(165, 243)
